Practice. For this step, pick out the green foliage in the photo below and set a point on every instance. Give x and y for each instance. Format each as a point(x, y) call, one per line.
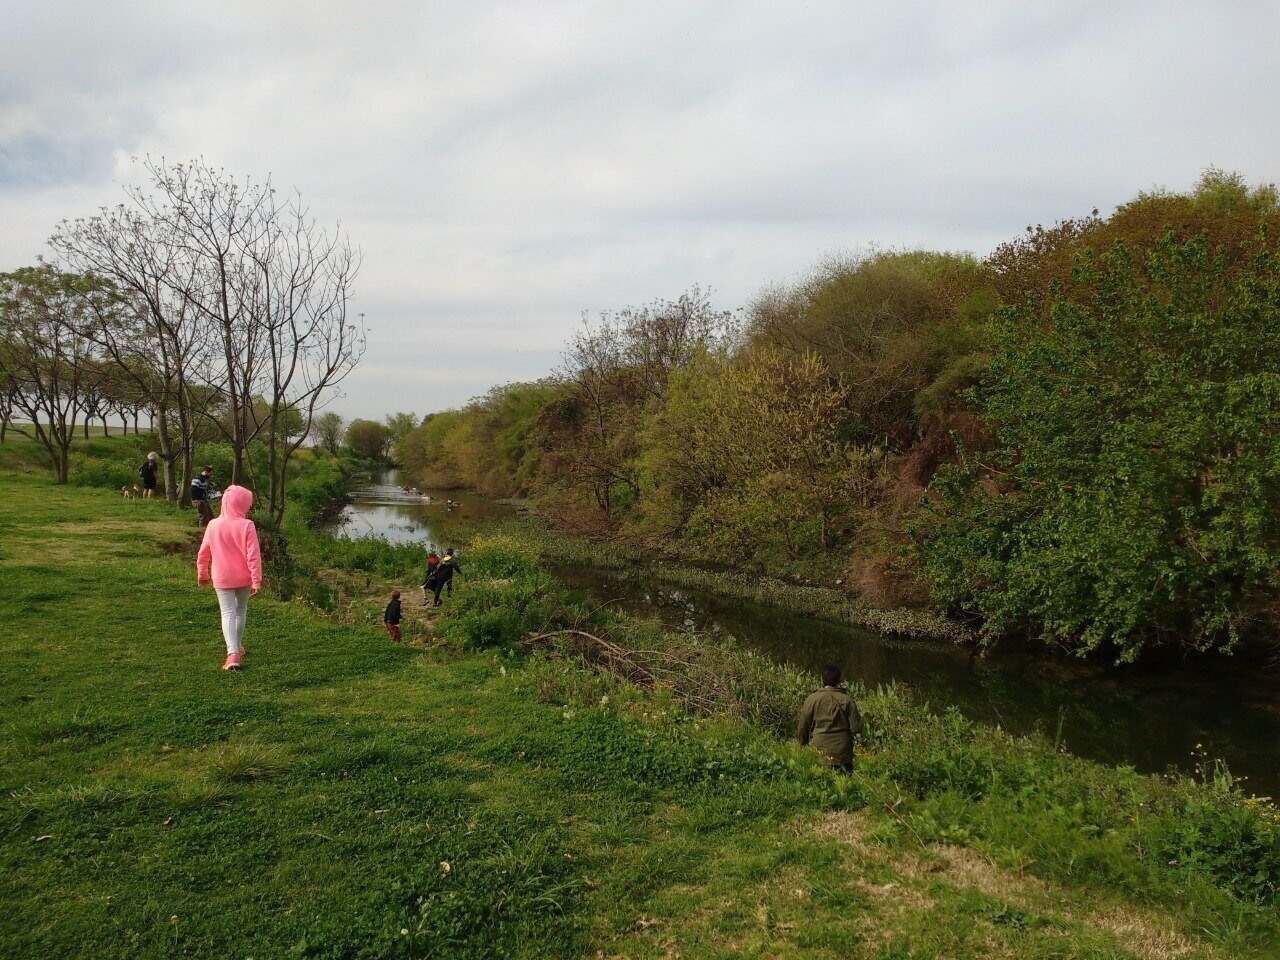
point(891, 325)
point(747, 458)
point(960, 781)
point(498, 806)
point(320, 489)
point(399, 424)
point(444, 451)
point(1226, 192)
point(501, 556)
point(502, 597)
point(110, 463)
point(329, 431)
point(370, 555)
point(368, 439)
point(492, 445)
point(277, 564)
point(1115, 408)
point(1130, 497)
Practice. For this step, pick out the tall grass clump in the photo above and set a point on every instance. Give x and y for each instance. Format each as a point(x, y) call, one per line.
point(503, 596)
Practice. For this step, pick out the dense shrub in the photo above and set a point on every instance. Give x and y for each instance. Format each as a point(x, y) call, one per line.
point(1131, 496)
point(1119, 447)
point(501, 556)
point(112, 473)
point(502, 596)
point(320, 490)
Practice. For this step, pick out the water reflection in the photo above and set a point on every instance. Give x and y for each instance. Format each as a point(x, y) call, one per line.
point(388, 508)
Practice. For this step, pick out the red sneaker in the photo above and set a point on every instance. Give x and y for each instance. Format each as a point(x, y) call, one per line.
point(232, 662)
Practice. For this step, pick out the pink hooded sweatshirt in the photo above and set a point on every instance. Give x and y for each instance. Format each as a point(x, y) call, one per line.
point(231, 543)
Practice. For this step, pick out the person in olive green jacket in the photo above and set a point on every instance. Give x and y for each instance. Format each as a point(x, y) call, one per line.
point(829, 719)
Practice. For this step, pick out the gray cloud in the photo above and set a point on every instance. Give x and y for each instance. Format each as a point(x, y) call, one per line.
point(507, 165)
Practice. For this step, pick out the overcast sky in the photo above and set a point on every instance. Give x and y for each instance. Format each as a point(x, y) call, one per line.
point(506, 166)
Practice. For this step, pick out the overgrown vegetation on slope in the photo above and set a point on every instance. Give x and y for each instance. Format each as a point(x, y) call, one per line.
point(1069, 440)
point(344, 797)
point(966, 776)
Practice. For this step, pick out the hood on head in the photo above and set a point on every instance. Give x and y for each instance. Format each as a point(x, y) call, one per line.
point(236, 501)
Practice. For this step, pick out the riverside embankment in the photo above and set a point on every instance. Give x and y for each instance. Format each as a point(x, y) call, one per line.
point(344, 796)
point(1153, 718)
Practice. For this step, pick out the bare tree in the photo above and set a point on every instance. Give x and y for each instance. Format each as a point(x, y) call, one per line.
point(148, 331)
point(218, 222)
point(302, 283)
point(616, 367)
point(232, 314)
point(273, 289)
point(49, 360)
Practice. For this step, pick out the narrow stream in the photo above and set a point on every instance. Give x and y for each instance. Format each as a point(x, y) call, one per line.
point(1152, 719)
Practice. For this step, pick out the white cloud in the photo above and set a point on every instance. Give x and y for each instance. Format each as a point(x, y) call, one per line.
point(507, 165)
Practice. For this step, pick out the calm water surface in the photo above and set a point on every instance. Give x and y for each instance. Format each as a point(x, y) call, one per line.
point(1152, 719)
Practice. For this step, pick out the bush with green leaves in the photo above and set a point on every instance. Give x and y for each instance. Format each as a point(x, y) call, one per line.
point(320, 490)
point(502, 596)
point(110, 472)
point(1129, 498)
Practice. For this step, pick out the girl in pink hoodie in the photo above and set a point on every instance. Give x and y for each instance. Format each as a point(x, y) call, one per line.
point(231, 545)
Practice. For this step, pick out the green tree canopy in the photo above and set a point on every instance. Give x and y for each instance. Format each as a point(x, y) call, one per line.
point(368, 439)
point(329, 430)
point(1131, 495)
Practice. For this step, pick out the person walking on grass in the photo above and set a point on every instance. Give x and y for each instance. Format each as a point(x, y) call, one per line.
point(230, 558)
point(148, 475)
point(444, 575)
point(829, 720)
point(391, 616)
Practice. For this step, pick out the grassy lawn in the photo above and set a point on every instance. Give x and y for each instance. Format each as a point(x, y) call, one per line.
point(344, 797)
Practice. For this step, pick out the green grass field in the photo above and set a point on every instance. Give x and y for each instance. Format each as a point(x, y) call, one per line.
point(344, 797)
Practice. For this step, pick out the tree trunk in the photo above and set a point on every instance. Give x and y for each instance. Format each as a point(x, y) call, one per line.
point(167, 456)
point(106, 432)
point(239, 429)
point(188, 472)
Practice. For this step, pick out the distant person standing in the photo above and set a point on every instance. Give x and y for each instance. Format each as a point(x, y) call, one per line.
point(444, 575)
point(391, 616)
point(229, 556)
point(203, 491)
point(829, 720)
point(148, 475)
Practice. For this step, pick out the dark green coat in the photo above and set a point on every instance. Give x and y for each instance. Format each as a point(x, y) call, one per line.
point(829, 720)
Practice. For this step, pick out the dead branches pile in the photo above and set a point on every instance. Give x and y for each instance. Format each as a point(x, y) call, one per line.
point(705, 677)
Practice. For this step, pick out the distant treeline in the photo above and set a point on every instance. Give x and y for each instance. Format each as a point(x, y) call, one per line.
point(1075, 439)
point(211, 303)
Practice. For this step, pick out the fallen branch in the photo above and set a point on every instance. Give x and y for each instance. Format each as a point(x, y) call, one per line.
point(693, 684)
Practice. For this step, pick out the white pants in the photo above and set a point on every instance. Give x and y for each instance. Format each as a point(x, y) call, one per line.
point(234, 603)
